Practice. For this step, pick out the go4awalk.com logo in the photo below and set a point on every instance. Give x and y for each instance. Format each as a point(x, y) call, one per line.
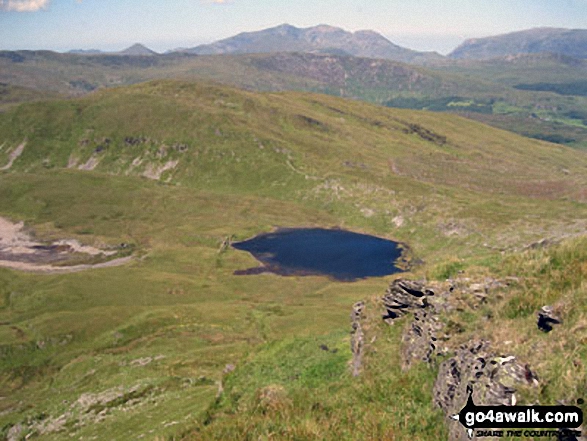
point(520, 421)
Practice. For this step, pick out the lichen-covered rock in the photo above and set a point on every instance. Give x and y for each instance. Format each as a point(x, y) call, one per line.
point(14, 432)
point(403, 296)
point(493, 379)
point(420, 338)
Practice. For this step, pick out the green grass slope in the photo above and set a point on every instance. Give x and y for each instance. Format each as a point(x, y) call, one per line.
point(12, 95)
point(479, 89)
point(174, 168)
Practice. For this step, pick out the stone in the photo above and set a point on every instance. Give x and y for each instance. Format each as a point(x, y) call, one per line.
point(420, 340)
point(546, 319)
point(357, 338)
point(403, 296)
point(493, 379)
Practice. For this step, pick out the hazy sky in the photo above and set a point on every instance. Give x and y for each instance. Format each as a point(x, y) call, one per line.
point(165, 24)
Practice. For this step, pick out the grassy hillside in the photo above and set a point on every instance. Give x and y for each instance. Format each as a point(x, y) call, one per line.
point(12, 95)
point(305, 148)
point(388, 402)
point(477, 89)
point(521, 68)
point(78, 74)
point(173, 169)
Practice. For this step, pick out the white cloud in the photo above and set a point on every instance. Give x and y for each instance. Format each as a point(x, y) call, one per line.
point(23, 5)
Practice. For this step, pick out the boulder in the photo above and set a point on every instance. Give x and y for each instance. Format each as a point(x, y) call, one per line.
point(547, 318)
point(403, 296)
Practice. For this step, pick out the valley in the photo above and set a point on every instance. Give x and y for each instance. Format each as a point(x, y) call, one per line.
point(141, 348)
point(133, 184)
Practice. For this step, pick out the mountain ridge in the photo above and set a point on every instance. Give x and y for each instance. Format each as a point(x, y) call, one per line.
point(135, 50)
point(317, 39)
point(570, 42)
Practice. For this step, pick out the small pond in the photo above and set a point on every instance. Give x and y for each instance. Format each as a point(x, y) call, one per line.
point(339, 254)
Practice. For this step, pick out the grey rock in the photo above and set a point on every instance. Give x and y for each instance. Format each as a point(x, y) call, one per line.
point(15, 432)
point(493, 379)
point(547, 318)
point(404, 296)
point(420, 338)
point(357, 338)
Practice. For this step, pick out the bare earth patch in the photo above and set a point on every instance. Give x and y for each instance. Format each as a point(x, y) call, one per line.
point(19, 251)
point(154, 172)
point(13, 156)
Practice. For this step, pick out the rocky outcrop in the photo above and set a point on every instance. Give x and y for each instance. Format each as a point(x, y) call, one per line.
point(547, 318)
point(404, 296)
point(357, 338)
point(425, 134)
point(420, 338)
point(493, 379)
point(156, 171)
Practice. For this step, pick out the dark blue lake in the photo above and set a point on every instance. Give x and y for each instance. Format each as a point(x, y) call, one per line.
point(342, 255)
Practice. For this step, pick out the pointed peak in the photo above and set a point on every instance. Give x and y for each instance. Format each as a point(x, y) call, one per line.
point(137, 49)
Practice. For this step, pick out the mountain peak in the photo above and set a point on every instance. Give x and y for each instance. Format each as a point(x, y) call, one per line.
point(324, 28)
point(284, 26)
point(322, 38)
point(137, 49)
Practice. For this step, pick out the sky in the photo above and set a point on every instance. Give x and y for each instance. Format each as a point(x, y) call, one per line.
point(427, 25)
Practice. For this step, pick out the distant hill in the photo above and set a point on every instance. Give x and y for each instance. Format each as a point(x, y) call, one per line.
point(317, 39)
point(137, 49)
point(85, 51)
point(508, 92)
point(354, 77)
point(520, 68)
point(134, 50)
point(570, 42)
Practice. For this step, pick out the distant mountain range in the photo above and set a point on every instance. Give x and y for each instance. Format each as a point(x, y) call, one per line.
point(324, 39)
point(570, 42)
point(86, 51)
point(317, 39)
point(135, 49)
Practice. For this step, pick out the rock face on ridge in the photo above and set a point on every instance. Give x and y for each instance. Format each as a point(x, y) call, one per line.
point(493, 378)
